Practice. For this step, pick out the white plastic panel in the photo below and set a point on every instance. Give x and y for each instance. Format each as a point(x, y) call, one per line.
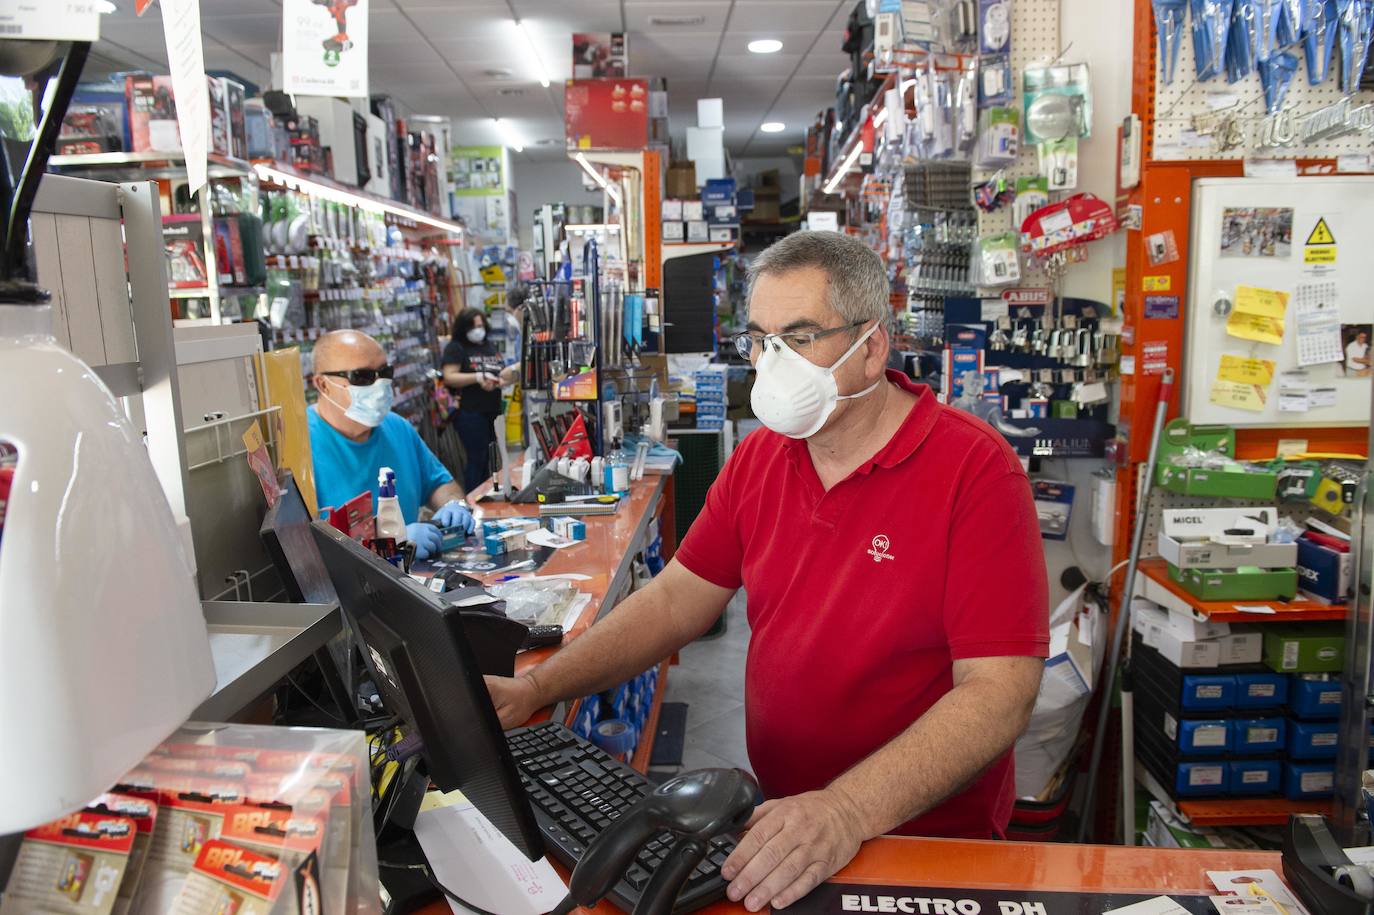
point(1347, 204)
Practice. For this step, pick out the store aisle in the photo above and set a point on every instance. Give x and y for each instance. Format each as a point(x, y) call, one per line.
point(710, 680)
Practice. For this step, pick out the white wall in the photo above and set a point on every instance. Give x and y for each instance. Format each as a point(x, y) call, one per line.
point(745, 170)
point(541, 182)
point(1100, 33)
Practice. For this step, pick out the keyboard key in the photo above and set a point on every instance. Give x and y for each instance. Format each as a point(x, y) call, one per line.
point(594, 770)
point(637, 877)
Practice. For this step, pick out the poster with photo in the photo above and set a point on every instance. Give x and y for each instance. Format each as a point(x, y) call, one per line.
point(476, 171)
point(599, 55)
point(1357, 359)
point(324, 48)
point(1257, 232)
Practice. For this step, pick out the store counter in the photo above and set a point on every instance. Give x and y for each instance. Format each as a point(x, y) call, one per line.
point(1010, 868)
point(606, 556)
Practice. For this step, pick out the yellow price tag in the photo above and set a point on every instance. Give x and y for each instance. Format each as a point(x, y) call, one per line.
point(1158, 283)
point(1246, 371)
point(1238, 396)
point(1255, 327)
point(1255, 301)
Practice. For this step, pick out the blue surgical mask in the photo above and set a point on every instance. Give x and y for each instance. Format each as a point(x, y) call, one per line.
point(368, 404)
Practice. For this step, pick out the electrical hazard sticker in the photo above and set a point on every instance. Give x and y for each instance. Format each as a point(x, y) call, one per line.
point(1319, 251)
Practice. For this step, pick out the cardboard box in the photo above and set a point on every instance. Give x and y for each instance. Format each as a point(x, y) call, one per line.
point(1242, 648)
point(1323, 572)
point(1308, 648)
point(723, 233)
point(693, 210)
point(681, 180)
point(1185, 653)
point(698, 231)
point(1185, 625)
point(1241, 584)
point(1234, 480)
point(1207, 554)
point(672, 210)
point(718, 191)
point(607, 114)
point(1164, 830)
point(674, 231)
point(722, 214)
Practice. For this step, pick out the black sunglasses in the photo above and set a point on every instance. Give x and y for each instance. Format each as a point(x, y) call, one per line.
point(364, 377)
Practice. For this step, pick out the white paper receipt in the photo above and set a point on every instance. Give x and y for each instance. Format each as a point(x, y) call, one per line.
point(1160, 905)
point(1244, 905)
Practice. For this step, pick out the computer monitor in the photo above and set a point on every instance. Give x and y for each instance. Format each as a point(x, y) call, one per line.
point(428, 675)
point(285, 531)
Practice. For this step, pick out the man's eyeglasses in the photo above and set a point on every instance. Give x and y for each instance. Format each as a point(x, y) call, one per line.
point(364, 377)
point(799, 341)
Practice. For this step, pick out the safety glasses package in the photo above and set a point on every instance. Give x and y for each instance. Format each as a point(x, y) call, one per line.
point(1276, 75)
point(1243, 40)
point(1211, 24)
point(1319, 38)
point(1170, 16)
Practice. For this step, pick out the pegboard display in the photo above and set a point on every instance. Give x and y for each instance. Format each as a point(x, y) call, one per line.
point(1162, 500)
point(1034, 38)
point(1177, 105)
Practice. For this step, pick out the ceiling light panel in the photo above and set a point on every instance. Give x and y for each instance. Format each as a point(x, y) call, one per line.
point(765, 46)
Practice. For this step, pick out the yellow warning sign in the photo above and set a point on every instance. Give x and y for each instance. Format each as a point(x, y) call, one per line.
point(1319, 254)
point(1321, 234)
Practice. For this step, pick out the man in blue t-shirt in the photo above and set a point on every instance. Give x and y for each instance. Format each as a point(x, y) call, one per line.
point(353, 434)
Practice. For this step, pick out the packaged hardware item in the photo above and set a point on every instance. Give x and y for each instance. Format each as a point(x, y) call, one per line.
point(71, 866)
point(997, 260)
point(1170, 18)
point(1058, 101)
point(999, 137)
point(1059, 163)
point(994, 26)
point(1319, 38)
point(995, 85)
point(229, 880)
point(1276, 76)
point(1211, 25)
point(143, 812)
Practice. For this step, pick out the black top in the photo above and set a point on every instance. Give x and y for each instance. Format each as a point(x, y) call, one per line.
point(476, 357)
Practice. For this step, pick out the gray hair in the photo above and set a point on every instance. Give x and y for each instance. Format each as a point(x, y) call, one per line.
point(857, 286)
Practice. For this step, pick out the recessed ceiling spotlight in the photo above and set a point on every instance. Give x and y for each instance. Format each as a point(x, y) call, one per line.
point(765, 46)
point(772, 127)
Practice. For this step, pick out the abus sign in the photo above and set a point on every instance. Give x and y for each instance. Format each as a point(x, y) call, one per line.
point(1026, 296)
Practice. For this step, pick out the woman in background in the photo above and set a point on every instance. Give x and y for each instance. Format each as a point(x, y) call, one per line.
point(475, 370)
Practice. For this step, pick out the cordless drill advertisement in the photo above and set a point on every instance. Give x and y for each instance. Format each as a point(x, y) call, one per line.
point(324, 47)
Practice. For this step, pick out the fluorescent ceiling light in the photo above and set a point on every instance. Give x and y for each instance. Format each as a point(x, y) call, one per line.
point(765, 46)
point(598, 178)
point(329, 192)
point(534, 52)
point(772, 127)
point(508, 136)
point(844, 168)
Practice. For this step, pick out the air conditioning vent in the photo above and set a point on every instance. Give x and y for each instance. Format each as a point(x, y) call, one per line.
point(676, 20)
point(510, 91)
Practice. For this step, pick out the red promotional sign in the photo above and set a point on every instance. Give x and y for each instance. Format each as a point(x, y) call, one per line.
point(606, 113)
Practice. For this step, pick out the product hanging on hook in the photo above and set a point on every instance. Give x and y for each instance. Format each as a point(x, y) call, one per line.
point(1170, 16)
point(1319, 38)
point(1276, 76)
point(1211, 24)
point(1267, 25)
point(1356, 19)
point(1243, 41)
point(1292, 22)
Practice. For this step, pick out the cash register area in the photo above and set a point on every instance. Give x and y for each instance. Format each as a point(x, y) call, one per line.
point(1128, 240)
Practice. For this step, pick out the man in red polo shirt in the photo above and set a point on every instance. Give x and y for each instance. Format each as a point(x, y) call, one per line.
point(896, 588)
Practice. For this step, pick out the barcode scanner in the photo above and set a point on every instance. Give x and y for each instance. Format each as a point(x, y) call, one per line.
point(696, 808)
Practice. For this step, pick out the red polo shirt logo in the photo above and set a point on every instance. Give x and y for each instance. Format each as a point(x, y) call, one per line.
point(847, 648)
point(879, 551)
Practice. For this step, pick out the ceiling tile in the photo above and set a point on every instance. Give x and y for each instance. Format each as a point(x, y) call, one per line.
point(392, 27)
point(213, 9)
point(744, 66)
point(794, 15)
point(245, 29)
point(639, 15)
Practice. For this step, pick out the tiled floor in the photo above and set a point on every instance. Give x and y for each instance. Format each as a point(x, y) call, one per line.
point(710, 680)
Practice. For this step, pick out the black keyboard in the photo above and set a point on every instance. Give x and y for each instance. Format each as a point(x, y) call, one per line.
point(577, 790)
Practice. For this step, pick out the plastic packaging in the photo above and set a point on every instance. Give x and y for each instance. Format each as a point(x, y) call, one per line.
point(1276, 76)
point(536, 602)
point(1058, 101)
point(999, 137)
point(942, 80)
point(965, 114)
point(390, 524)
point(1319, 38)
point(995, 85)
point(1243, 40)
point(994, 26)
point(1211, 24)
point(1059, 163)
point(997, 260)
point(1267, 24)
point(1356, 19)
point(1170, 16)
point(1292, 21)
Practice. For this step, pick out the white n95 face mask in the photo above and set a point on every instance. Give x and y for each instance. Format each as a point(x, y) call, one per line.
point(795, 397)
point(477, 335)
point(368, 403)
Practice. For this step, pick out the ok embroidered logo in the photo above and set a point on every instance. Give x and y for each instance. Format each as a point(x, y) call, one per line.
point(879, 550)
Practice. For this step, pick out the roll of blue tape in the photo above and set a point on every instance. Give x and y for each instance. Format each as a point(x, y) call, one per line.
point(614, 736)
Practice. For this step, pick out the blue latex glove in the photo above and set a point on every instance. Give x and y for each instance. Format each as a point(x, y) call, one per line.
point(426, 538)
point(455, 514)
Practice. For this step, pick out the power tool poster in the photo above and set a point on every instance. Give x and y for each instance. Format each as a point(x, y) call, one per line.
point(324, 47)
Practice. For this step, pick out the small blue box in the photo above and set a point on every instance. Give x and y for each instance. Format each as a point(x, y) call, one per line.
point(1313, 739)
point(1202, 778)
point(1322, 571)
point(1253, 736)
point(1261, 690)
point(1255, 776)
point(1302, 781)
point(1205, 692)
point(1210, 737)
point(1314, 698)
point(718, 190)
point(494, 544)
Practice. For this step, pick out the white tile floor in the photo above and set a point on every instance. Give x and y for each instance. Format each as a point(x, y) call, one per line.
point(710, 680)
